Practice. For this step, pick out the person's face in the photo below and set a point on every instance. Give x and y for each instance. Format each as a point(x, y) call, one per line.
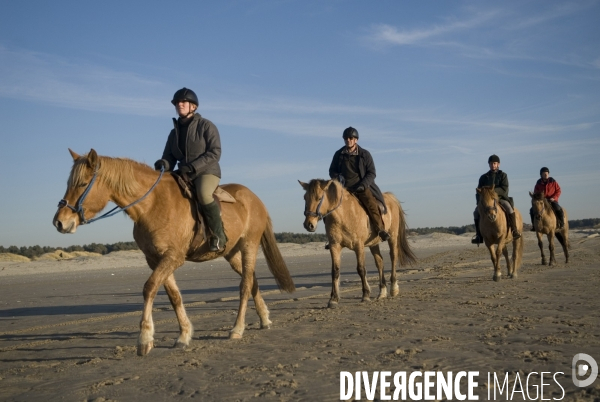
point(350, 142)
point(494, 166)
point(545, 175)
point(184, 108)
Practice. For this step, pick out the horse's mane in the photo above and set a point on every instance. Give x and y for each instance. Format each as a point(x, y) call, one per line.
point(541, 197)
point(488, 191)
point(116, 173)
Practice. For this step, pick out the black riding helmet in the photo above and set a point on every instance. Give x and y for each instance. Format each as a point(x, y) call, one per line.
point(494, 158)
point(350, 132)
point(544, 169)
point(185, 94)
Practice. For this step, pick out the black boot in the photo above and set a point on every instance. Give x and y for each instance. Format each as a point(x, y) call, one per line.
point(512, 219)
point(560, 218)
point(477, 239)
point(532, 221)
point(384, 235)
point(213, 220)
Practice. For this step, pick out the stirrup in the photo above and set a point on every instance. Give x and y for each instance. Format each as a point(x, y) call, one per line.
point(384, 235)
point(327, 246)
point(215, 243)
point(516, 234)
point(477, 240)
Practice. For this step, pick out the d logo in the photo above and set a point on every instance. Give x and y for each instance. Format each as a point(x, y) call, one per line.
point(579, 370)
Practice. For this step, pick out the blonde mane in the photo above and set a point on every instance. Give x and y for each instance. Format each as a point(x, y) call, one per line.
point(118, 174)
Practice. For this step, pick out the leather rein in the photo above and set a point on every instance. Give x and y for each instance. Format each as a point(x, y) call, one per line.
point(79, 209)
point(317, 213)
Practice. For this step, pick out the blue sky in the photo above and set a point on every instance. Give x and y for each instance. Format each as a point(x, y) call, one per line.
point(433, 88)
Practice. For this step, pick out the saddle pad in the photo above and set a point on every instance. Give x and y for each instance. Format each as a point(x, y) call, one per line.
point(219, 193)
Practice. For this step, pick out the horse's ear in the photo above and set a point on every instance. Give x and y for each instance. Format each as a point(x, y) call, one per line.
point(478, 190)
point(304, 185)
point(74, 154)
point(531, 194)
point(493, 185)
point(92, 159)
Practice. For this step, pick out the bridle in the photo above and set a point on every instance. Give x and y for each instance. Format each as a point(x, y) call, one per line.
point(494, 208)
point(79, 209)
point(317, 213)
point(541, 213)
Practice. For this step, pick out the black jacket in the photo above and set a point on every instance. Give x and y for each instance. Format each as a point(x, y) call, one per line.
point(366, 168)
point(500, 181)
point(203, 147)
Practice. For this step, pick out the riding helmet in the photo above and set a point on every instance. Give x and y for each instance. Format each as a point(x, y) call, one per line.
point(185, 94)
point(544, 169)
point(350, 132)
point(494, 158)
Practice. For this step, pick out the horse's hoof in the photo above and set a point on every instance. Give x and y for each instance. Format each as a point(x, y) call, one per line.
point(266, 325)
point(497, 278)
point(395, 291)
point(235, 335)
point(143, 350)
point(179, 345)
point(332, 304)
point(366, 299)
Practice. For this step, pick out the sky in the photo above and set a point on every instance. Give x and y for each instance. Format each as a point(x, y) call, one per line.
point(433, 88)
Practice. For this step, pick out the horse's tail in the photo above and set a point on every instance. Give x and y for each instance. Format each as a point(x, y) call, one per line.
point(275, 260)
point(517, 253)
point(405, 253)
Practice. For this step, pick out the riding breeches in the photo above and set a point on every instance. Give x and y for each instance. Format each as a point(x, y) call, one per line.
point(505, 204)
point(206, 185)
point(369, 201)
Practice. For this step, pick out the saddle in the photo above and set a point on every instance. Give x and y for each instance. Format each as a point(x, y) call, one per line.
point(381, 207)
point(187, 189)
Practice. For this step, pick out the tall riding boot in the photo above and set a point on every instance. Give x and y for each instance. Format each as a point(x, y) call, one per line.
point(532, 220)
point(560, 218)
point(478, 239)
point(213, 220)
point(512, 219)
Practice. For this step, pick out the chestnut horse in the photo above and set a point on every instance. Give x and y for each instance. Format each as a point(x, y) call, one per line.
point(347, 225)
point(496, 232)
point(164, 229)
point(544, 222)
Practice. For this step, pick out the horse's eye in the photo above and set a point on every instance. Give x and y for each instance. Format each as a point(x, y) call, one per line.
point(83, 185)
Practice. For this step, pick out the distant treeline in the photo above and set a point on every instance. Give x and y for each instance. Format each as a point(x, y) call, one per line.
point(283, 237)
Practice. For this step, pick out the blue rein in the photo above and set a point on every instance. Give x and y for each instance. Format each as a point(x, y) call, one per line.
point(78, 208)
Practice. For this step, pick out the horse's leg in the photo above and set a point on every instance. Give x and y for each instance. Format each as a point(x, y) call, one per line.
point(541, 246)
point(362, 271)
point(186, 330)
point(564, 242)
point(510, 265)
point(394, 252)
point(551, 247)
point(336, 261)
point(248, 264)
point(494, 254)
point(379, 264)
point(163, 270)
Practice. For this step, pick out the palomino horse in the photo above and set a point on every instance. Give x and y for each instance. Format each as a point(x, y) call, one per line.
point(545, 223)
point(496, 232)
point(347, 225)
point(164, 229)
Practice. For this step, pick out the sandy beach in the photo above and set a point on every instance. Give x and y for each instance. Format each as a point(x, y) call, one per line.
point(68, 327)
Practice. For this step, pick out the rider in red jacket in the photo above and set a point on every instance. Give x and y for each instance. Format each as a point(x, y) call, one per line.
point(551, 190)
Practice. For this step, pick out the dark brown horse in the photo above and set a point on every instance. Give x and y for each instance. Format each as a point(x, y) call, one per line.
point(545, 223)
point(497, 234)
point(164, 229)
point(347, 225)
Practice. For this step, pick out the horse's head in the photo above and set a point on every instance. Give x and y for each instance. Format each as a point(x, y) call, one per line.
point(316, 201)
point(538, 204)
point(83, 198)
point(488, 202)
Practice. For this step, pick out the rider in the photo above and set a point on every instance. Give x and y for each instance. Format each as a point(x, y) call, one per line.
point(195, 143)
point(499, 180)
point(353, 167)
point(551, 190)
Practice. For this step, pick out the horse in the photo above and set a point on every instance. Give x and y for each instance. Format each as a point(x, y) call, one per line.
point(164, 229)
point(545, 223)
point(496, 232)
point(347, 225)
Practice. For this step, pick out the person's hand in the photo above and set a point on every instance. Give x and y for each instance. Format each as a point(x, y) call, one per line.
point(359, 188)
point(186, 168)
point(161, 164)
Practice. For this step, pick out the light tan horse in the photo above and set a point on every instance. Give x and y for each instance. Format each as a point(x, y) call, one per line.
point(545, 223)
point(496, 232)
point(164, 228)
point(347, 225)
